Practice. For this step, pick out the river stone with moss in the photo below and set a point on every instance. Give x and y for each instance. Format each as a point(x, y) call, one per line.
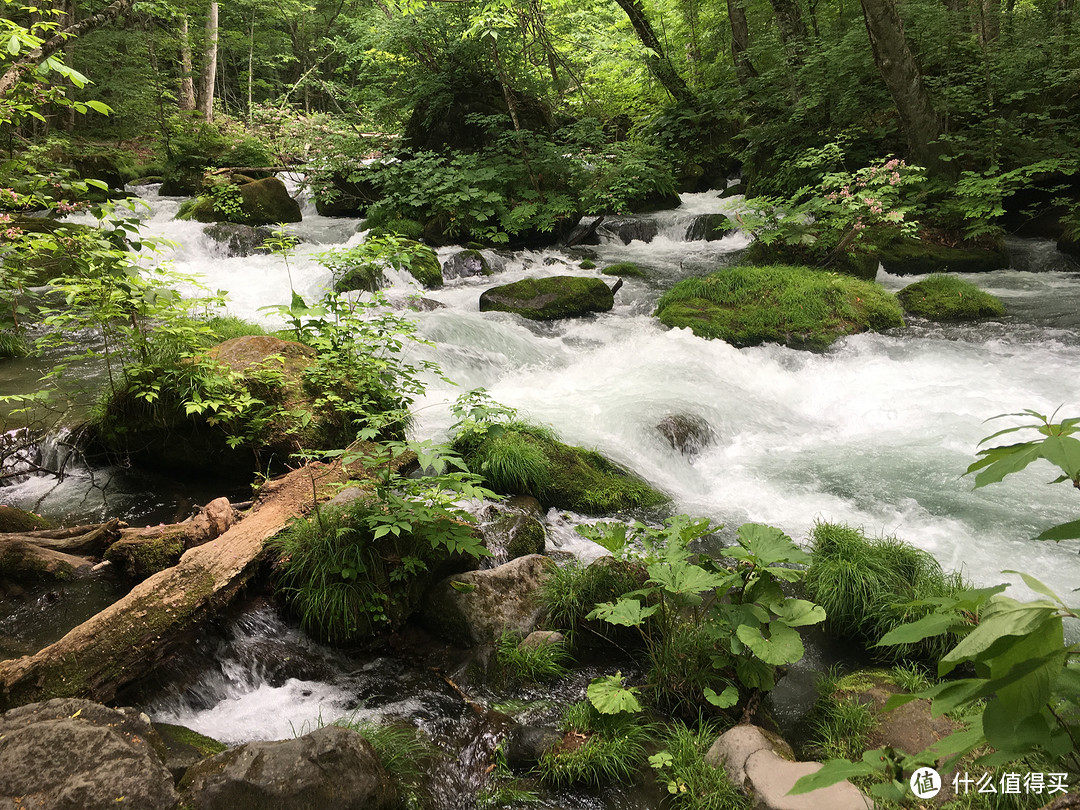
point(551, 298)
point(947, 298)
point(257, 202)
point(795, 306)
point(906, 256)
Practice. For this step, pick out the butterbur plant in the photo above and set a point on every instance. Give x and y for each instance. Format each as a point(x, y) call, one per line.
point(713, 629)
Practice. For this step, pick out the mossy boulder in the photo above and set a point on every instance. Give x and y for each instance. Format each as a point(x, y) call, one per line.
point(425, 266)
point(798, 307)
point(624, 270)
point(551, 298)
point(258, 202)
point(336, 195)
point(859, 265)
point(178, 747)
point(514, 534)
point(140, 558)
point(524, 459)
point(710, 227)
point(907, 256)
point(19, 520)
point(947, 298)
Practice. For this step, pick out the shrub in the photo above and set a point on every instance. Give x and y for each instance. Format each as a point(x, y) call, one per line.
point(796, 306)
point(868, 587)
point(947, 298)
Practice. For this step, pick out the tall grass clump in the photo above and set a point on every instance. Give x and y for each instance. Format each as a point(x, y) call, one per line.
point(529, 663)
point(571, 591)
point(597, 749)
point(868, 586)
point(692, 783)
point(796, 306)
point(226, 327)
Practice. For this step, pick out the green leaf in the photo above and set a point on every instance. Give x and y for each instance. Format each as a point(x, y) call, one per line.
point(99, 107)
point(463, 587)
point(932, 625)
point(783, 646)
point(725, 700)
point(1063, 451)
point(683, 578)
point(608, 695)
point(624, 612)
point(1002, 617)
point(833, 771)
point(769, 544)
point(1063, 531)
point(1035, 584)
point(997, 462)
point(799, 612)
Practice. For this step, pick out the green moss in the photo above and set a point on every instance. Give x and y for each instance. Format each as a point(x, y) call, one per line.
point(859, 265)
point(181, 736)
point(947, 298)
point(587, 264)
point(19, 520)
point(796, 306)
point(227, 327)
point(624, 270)
point(395, 226)
point(260, 202)
point(140, 559)
point(907, 255)
point(425, 266)
point(547, 299)
point(526, 460)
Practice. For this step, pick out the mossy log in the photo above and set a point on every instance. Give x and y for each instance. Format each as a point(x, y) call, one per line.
point(54, 554)
point(135, 635)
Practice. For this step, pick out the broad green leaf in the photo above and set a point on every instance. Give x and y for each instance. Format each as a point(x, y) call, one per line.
point(932, 625)
point(608, 695)
point(1035, 584)
point(783, 646)
point(997, 462)
point(100, 107)
point(769, 545)
point(833, 771)
point(1064, 451)
point(683, 578)
point(725, 700)
point(799, 612)
point(1063, 531)
point(624, 612)
point(1002, 617)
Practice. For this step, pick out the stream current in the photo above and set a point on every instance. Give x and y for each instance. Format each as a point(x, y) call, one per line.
point(876, 432)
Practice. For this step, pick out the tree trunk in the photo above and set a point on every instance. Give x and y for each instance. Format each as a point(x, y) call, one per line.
point(187, 80)
point(740, 42)
point(792, 28)
point(659, 64)
point(902, 77)
point(251, 62)
point(209, 74)
point(137, 634)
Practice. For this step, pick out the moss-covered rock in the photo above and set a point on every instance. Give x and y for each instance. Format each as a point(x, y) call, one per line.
point(859, 265)
point(178, 747)
point(547, 299)
point(19, 520)
point(139, 558)
point(239, 240)
point(906, 256)
point(425, 266)
point(466, 263)
point(947, 298)
point(795, 306)
point(710, 227)
point(587, 264)
point(624, 270)
point(525, 459)
point(258, 202)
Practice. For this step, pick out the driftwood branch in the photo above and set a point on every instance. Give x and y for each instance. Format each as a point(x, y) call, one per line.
point(135, 635)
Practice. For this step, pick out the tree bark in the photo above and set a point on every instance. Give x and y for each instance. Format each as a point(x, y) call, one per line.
point(209, 73)
point(57, 41)
point(902, 77)
point(187, 80)
point(740, 42)
point(792, 28)
point(659, 64)
point(137, 634)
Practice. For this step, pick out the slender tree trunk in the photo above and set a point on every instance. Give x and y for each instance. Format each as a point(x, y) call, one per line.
point(187, 81)
point(659, 64)
point(793, 33)
point(251, 62)
point(740, 42)
point(209, 74)
point(898, 68)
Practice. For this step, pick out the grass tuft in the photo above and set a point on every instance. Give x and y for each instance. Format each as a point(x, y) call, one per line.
point(544, 662)
point(598, 748)
point(692, 783)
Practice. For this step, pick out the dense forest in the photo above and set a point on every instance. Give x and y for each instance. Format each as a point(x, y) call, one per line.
point(405, 360)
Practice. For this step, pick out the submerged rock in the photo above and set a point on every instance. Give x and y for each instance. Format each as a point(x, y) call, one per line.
point(551, 298)
point(515, 534)
point(330, 767)
point(686, 432)
point(237, 239)
point(526, 745)
point(259, 202)
point(762, 766)
point(179, 748)
point(629, 229)
point(70, 754)
point(477, 607)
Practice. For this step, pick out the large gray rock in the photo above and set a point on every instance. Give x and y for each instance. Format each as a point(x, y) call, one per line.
point(70, 754)
point(331, 767)
point(465, 264)
point(550, 298)
point(477, 607)
point(237, 239)
point(762, 766)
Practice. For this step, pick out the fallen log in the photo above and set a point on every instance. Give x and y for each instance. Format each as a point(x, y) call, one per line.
point(132, 637)
point(89, 540)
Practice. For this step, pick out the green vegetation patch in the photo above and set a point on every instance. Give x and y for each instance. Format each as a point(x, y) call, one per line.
point(523, 459)
point(795, 306)
point(908, 255)
point(180, 737)
point(692, 783)
point(598, 748)
point(868, 586)
point(948, 298)
point(531, 663)
point(624, 270)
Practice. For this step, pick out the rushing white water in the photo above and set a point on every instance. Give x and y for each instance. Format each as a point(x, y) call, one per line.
point(876, 432)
